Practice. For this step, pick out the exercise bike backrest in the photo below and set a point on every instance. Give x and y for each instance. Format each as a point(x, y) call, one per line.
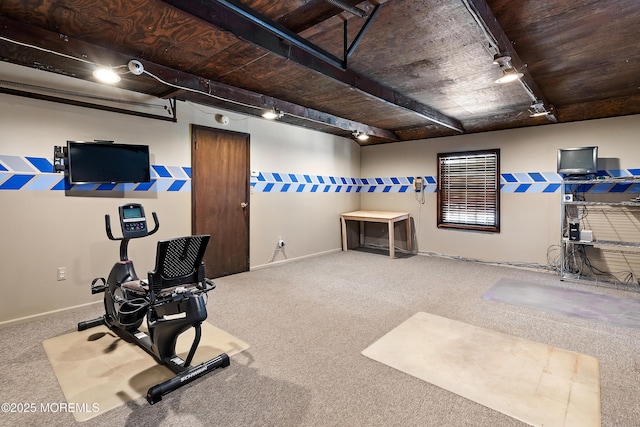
point(133, 224)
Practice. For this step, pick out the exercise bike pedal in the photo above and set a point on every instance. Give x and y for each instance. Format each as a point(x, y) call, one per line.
point(98, 288)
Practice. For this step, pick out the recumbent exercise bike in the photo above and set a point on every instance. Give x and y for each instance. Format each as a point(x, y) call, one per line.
point(171, 300)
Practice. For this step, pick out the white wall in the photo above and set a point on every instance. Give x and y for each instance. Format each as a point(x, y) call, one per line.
point(44, 229)
point(307, 222)
point(530, 221)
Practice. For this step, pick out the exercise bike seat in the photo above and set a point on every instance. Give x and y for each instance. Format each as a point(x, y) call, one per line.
point(178, 268)
point(138, 287)
point(141, 288)
point(178, 265)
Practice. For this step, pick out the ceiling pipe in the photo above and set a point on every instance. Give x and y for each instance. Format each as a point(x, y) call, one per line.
point(348, 8)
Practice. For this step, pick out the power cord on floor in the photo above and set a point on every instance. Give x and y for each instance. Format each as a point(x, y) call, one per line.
point(529, 265)
point(578, 264)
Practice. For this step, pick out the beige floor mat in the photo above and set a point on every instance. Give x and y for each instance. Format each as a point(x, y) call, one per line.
point(535, 383)
point(98, 371)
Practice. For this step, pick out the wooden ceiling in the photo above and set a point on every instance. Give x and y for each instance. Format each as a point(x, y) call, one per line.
point(405, 70)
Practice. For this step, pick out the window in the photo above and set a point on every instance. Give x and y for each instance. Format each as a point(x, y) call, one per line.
point(469, 190)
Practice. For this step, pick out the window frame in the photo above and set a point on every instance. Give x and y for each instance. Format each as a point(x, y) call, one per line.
point(490, 192)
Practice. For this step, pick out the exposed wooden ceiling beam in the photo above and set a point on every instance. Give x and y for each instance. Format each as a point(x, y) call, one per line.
point(248, 25)
point(185, 86)
point(202, 88)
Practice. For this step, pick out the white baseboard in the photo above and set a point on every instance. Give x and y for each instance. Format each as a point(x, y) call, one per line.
point(48, 313)
point(25, 319)
point(273, 264)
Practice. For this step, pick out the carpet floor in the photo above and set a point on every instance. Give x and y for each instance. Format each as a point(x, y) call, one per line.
point(307, 322)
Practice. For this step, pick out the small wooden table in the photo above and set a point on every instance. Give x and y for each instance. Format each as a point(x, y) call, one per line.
point(376, 216)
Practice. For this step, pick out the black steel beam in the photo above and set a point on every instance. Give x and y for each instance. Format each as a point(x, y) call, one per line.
point(309, 14)
point(234, 16)
point(248, 25)
point(362, 32)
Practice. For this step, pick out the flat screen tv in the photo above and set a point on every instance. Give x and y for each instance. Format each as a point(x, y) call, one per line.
point(105, 162)
point(578, 161)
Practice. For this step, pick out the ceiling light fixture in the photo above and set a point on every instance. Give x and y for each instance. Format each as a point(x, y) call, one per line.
point(272, 114)
point(360, 136)
point(538, 109)
point(106, 75)
point(135, 67)
point(509, 74)
point(111, 76)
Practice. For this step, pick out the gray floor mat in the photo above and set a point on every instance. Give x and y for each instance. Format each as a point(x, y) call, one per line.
point(569, 302)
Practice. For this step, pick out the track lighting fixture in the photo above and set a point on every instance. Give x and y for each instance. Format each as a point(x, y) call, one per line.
point(538, 109)
point(360, 136)
point(272, 114)
point(509, 74)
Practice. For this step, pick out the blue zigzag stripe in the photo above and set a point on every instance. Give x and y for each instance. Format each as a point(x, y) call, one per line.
point(19, 173)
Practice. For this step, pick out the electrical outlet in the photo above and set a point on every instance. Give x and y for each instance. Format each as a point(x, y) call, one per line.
point(62, 273)
point(281, 243)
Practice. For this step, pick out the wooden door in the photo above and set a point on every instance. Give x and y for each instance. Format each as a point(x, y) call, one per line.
point(220, 197)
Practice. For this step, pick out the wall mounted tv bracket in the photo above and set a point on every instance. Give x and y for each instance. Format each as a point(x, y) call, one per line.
point(59, 158)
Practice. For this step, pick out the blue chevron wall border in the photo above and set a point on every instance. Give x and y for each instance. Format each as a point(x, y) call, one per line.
point(24, 173)
point(519, 183)
point(19, 173)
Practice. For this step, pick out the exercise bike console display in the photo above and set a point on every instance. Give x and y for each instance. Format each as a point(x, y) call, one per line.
point(133, 221)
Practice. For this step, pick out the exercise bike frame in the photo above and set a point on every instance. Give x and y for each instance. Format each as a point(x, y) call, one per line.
point(166, 318)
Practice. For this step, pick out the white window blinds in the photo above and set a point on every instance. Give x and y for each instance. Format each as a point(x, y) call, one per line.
point(469, 190)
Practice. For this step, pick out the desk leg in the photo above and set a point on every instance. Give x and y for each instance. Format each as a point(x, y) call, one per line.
point(344, 234)
point(409, 242)
point(392, 239)
point(361, 241)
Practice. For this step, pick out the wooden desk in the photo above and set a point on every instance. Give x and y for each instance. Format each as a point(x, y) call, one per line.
point(376, 216)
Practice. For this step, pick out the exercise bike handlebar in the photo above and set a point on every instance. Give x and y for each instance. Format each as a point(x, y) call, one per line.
point(107, 224)
point(156, 224)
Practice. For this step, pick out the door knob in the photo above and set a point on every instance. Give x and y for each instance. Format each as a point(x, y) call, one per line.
point(244, 205)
